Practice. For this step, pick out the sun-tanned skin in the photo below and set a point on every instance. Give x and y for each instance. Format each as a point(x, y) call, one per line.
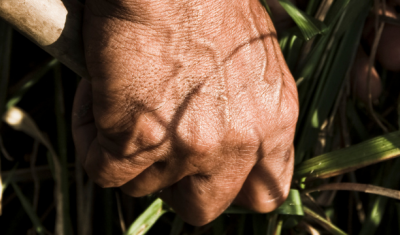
point(191, 99)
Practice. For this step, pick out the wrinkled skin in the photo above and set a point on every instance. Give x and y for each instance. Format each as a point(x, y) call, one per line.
point(189, 99)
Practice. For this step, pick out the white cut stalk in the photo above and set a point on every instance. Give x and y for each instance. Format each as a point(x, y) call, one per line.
point(54, 25)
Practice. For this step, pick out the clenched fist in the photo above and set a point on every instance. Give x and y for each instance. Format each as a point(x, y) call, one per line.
point(190, 99)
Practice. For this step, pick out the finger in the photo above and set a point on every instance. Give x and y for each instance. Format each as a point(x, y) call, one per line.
point(158, 176)
point(83, 128)
point(268, 184)
point(200, 198)
point(110, 170)
point(104, 168)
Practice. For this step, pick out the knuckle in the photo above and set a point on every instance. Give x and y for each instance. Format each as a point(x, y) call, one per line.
point(268, 201)
point(204, 146)
point(203, 217)
point(102, 183)
point(198, 136)
point(105, 170)
point(149, 133)
point(290, 111)
point(243, 142)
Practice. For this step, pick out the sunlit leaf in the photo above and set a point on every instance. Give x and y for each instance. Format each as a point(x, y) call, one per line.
point(372, 151)
point(292, 205)
point(147, 219)
point(308, 26)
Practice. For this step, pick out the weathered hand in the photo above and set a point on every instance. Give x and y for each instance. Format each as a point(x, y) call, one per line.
point(191, 99)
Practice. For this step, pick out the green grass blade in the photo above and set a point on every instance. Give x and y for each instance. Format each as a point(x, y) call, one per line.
point(279, 227)
point(374, 217)
point(62, 146)
point(177, 225)
point(292, 205)
point(331, 228)
point(308, 26)
point(29, 210)
point(147, 219)
point(389, 180)
point(264, 3)
point(35, 76)
point(328, 88)
point(372, 151)
point(312, 6)
point(7, 181)
point(272, 222)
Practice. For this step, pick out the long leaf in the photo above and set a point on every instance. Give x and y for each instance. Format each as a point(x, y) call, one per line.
point(372, 151)
point(62, 146)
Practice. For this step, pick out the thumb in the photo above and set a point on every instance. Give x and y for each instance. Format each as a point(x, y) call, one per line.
point(83, 127)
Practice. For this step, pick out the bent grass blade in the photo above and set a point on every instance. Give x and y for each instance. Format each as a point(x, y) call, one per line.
point(29, 210)
point(366, 188)
point(323, 222)
point(21, 121)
